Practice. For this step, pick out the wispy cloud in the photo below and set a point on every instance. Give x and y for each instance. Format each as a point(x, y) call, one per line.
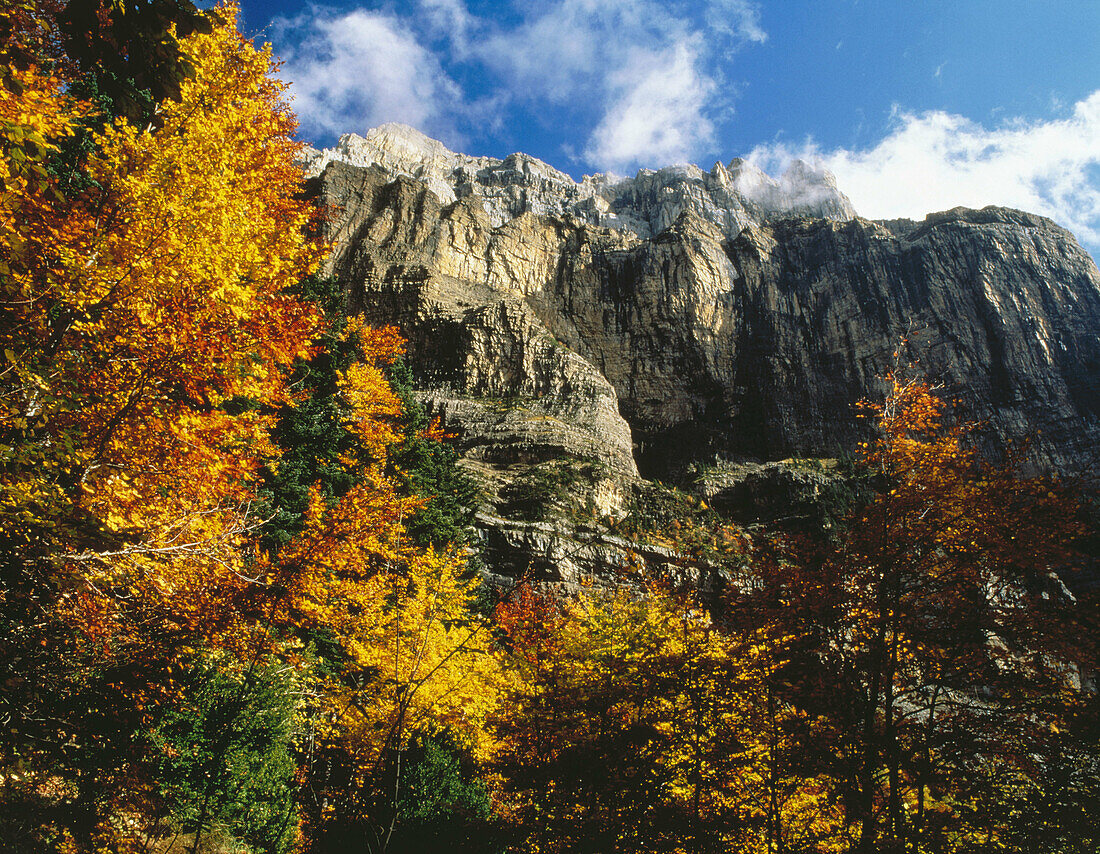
point(450, 21)
point(561, 48)
point(358, 69)
point(935, 160)
point(738, 19)
point(647, 68)
point(639, 75)
point(657, 114)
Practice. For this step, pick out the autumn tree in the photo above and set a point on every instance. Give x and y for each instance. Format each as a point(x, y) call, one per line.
point(134, 312)
point(129, 54)
point(637, 725)
point(109, 405)
point(583, 732)
point(411, 658)
point(936, 631)
point(149, 333)
point(957, 604)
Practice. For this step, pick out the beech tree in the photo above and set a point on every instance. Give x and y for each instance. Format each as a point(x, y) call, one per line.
point(961, 621)
point(209, 636)
point(139, 309)
point(136, 309)
point(637, 725)
point(936, 630)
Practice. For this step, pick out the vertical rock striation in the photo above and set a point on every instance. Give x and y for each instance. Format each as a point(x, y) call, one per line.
point(684, 317)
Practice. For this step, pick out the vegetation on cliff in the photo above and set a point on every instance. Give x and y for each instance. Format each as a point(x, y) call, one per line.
point(237, 610)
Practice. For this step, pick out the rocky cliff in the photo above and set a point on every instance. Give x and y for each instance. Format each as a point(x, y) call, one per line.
point(685, 319)
point(730, 196)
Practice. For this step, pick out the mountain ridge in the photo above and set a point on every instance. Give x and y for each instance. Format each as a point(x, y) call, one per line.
point(730, 195)
point(539, 336)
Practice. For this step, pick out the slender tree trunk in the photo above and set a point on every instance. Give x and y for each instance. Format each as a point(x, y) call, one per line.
point(774, 824)
point(926, 769)
point(891, 747)
point(698, 774)
point(868, 826)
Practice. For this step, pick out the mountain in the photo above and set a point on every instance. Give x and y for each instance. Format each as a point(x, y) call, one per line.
point(731, 196)
point(698, 327)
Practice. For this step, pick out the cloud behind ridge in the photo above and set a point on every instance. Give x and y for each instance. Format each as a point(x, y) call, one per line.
point(640, 75)
point(355, 70)
point(934, 161)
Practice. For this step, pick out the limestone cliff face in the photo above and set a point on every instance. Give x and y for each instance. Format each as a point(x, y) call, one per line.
point(684, 317)
point(730, 196)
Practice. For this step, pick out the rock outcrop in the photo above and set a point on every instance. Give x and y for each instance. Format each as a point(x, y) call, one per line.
point(684, 317)
point(730, 196)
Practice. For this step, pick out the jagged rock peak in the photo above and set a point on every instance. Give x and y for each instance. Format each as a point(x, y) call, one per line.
point(732, 197)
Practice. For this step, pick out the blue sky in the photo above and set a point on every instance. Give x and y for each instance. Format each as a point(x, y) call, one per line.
point(916, 105)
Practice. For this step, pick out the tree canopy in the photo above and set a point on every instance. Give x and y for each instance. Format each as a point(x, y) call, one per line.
point(151, 333)
point(238, 603)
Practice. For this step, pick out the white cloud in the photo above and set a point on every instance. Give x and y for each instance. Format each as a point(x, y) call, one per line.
point(645, 67)
point(638, 75)
point(450, 20)
point(566, 49)
point(658, 113)
point(934, 161)
point(739, 19)
point(353, 71)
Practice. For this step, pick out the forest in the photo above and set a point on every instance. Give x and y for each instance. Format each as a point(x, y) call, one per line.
point(241, 609)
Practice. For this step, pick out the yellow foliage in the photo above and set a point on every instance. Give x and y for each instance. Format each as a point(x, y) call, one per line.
point(638, 707)
point(417, 659)
point(366, 390)
point(137, 310)
point(147, 337)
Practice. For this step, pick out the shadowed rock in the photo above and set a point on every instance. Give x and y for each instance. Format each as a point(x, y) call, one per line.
point(724, 333)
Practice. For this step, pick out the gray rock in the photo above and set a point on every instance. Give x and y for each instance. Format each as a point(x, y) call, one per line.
point(704, 328)
point(647, 204)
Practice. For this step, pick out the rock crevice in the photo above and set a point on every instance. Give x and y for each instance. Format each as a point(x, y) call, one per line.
point(723, 318)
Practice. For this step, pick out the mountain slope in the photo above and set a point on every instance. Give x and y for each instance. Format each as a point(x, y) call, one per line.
point(706, 327)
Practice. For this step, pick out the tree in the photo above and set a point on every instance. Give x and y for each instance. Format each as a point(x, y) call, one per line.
point(443, 804)
point(412, 656)
point(237, 728)
point(584, 728)
point(936, 630)
point(637, 725)
point(316, 444)
point(134, 312)
point(131, 53)
point(429, 467)
point(112, 405)
point(150, 326)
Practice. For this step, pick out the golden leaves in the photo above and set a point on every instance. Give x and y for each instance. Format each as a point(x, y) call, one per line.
point(619, 691)
point(147, 337)
point(365, 389)
point(156, 297)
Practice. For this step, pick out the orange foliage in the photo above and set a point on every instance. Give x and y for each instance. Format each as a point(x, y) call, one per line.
point(137, 314)
point(531, 622)
point(945, 582)
point(146, 333)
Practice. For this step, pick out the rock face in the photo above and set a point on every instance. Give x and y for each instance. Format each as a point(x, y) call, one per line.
point(685, 317)
point(729, 196)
